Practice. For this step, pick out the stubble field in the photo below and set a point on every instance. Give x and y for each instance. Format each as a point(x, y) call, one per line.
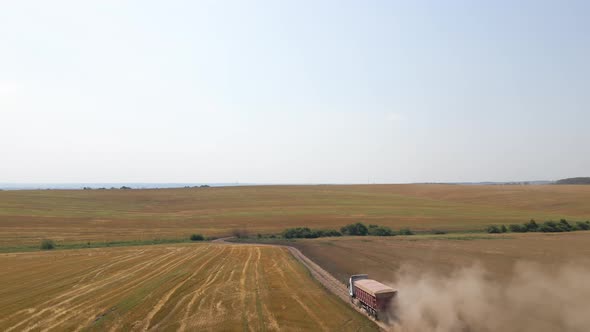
point(76, 216)
point(442, 279)
point(201, 287)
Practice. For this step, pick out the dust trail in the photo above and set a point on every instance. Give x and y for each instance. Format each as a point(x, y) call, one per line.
point(532, 299)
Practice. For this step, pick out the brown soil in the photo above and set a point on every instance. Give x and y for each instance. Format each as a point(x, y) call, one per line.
point(384, 257)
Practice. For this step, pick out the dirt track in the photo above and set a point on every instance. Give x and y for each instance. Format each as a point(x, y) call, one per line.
point(329, 282)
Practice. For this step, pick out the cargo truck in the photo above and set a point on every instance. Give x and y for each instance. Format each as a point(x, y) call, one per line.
point(372, 296)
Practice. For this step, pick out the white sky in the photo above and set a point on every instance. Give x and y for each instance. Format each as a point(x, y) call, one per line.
point(293, 91)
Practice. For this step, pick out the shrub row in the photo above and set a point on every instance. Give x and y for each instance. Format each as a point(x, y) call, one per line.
point(47, 244)
point(548, 227)
point(307, 233)
point(377, 230)
point(359, 229)
point(356, 229)
point(197, 237)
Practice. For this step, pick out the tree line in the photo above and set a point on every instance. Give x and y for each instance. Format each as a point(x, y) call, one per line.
point(546, 227)
point(356, 229)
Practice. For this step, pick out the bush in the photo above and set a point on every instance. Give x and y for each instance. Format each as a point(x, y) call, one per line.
point(307, 233)
point(532, 226)
point(438, 232)
point(376, 230)
point(503, 229)
point(549, 226)
point(355, 229)
point(493, 229)
point(328, 233)
point(516, 228)
point(47, 244)
point(565, 226)
point(583, 226)
point(552, 227)
point(197, 237)
point(299, 233)
point(240, 233)
point(405, 231)
point(290, 233)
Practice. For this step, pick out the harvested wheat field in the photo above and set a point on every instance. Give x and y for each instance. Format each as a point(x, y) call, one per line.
point(81, 216)
point(177, 287)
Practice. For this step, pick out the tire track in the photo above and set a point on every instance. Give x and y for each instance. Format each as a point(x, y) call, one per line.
point(50, 304)
point(30, 311)
point(191, 254)
point(166, 298)
point(201, 291)
point(243, 278)
point(106, 296)
point(310, 313)
point(265, 312)
point(75, 294)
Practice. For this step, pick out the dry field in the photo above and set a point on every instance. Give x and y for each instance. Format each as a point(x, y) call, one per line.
point(384, 257)
point(200, 287)
point(516, 282)
point(76, 216)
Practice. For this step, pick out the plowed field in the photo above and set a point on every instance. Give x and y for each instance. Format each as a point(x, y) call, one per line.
point(535, 282)
point(177, 287)
point(384, 257)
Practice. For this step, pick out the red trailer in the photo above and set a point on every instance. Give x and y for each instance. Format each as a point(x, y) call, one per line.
point(370, 295)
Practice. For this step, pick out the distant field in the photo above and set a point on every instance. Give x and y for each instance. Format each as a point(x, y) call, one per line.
point(76, 216)
point(196, 287)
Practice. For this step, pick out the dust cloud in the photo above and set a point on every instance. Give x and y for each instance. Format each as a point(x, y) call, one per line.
point(532, 299)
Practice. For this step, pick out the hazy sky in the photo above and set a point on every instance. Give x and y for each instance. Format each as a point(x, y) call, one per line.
point(294, 91)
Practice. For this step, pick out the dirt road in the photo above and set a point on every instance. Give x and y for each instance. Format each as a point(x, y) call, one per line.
point(324, 277)
point(330, 283)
